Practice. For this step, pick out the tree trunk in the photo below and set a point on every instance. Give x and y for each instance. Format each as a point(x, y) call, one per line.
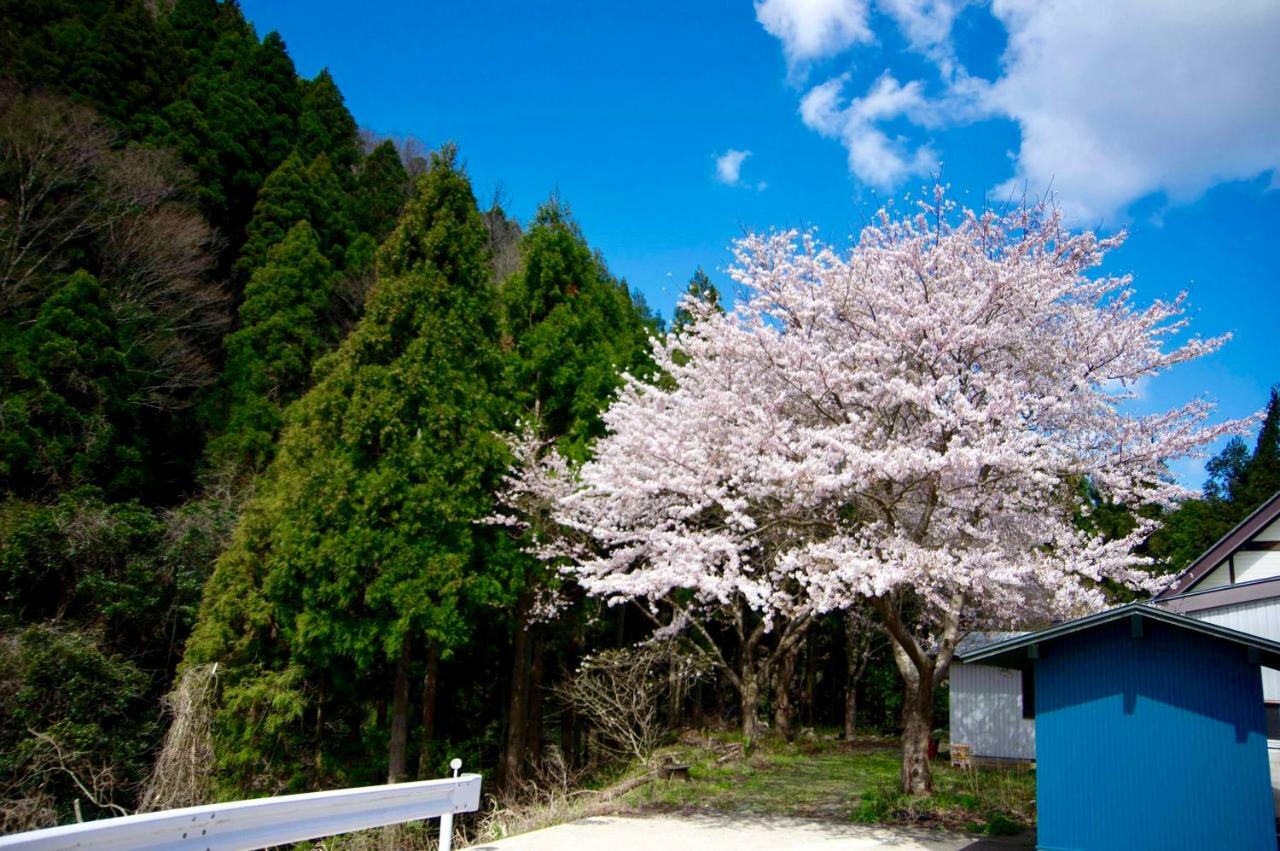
point(567, 744)
point(397, 759)
point(675, 697)
point(568, 719)
point(857, 651)
point(850, 711)
point(750, 699)
point(533, 733)
point(921, 674)
point(430, 693)
point(810, 677)
point(511, 769)
point(783, 710)
point(620, 626)
point(917, 728)
point(318, 759)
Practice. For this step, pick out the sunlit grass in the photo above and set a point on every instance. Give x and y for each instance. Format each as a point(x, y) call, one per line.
point(826, 778)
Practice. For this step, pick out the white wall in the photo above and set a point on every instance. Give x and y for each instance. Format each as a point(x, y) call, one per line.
point(1270, 533)
point(1250, 564)
point(986, 712)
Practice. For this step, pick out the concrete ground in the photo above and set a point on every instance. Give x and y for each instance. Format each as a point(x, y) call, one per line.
point(739, 833)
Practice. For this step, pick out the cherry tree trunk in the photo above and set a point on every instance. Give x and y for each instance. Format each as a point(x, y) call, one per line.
point(921, 674)
point(917, 729)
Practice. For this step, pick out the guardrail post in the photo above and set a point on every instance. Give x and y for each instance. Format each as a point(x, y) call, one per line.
point(446, 819)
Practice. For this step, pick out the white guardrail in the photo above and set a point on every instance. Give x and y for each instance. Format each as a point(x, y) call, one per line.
point(264, 822)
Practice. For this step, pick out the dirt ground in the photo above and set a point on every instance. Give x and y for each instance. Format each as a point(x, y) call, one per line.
point(735, 832)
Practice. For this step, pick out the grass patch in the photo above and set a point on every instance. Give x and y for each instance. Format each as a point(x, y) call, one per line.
point(828, 778)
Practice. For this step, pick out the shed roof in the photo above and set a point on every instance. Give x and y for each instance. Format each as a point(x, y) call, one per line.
point(1224, 547)
point(1021, 651)
point(977, 640)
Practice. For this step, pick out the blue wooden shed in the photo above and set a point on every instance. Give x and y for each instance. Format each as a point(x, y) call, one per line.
point(1150, 731)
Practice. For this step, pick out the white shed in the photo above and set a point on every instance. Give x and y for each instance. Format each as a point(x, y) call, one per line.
point(988, 711)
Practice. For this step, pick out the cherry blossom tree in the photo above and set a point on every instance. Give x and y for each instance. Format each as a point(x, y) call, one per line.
point(907, 424)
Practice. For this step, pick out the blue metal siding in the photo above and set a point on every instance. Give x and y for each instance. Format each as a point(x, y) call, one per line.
point(1156, 742)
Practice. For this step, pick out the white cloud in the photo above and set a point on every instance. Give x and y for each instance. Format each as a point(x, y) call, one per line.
point(874, 157)
point(729, 166)
point(1119, 100)
point(927, 26)
point(1114, 101)
point(1135, 390)
point(814, 29)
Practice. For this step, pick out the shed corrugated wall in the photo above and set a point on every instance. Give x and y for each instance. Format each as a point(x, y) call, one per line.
point(1155, 742)
point(986, 712)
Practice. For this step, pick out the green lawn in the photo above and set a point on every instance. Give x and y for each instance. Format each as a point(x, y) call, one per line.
point(827, 778)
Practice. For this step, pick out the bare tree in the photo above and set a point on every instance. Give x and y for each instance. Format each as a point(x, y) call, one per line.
point(504, 238)
point(50, 149)
point(64, 186)
point(28, 802)
point(621, 692)
point(158, 256)
point(414, 154)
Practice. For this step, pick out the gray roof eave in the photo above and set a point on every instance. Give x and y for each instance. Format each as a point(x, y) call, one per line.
point(1017, 652)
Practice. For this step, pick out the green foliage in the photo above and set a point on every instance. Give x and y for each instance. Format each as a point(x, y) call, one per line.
point(1239, 481)
point(363, 533)
point(260, 726)
point(117, 56)
point(106, 539)
point(131, 574)
point(293, 193)
point(382, 187)
point(574, 328)
point(236, 118)
point(69, 706)
point(284, 327)
point(326, 127)
point(69, 413)
point(701, 289)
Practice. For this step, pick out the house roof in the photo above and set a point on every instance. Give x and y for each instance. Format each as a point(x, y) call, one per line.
point(1226, 545)
point(1022, 651)
point(1221, 595)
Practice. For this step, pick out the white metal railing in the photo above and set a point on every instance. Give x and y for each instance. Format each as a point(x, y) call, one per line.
point(264, 822)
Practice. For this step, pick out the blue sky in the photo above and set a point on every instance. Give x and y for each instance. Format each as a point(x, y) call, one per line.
point(1163, 118)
